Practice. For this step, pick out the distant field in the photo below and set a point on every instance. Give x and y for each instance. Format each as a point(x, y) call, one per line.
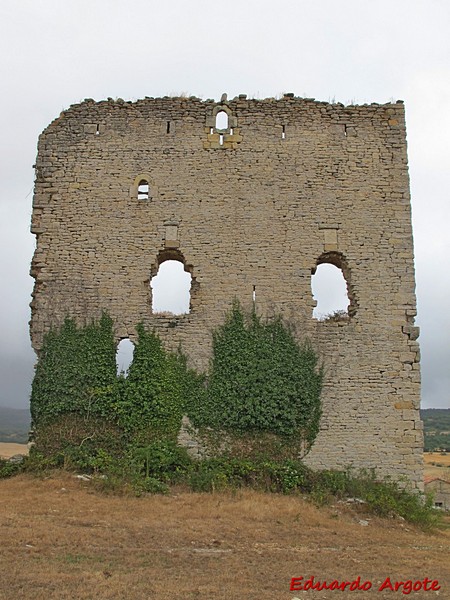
point(7, 450)
point(60, 539)
point(437, 457)
point(437, 465)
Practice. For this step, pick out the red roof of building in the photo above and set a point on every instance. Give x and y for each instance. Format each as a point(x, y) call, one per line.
point(430, 478)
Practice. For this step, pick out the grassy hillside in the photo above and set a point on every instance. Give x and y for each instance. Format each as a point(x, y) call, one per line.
point(436, 423)
point(14, 424)
point(65, 540)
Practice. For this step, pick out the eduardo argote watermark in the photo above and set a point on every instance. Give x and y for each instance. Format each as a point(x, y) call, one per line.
point(303, 584)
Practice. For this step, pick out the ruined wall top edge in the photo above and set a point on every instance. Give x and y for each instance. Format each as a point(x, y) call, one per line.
point(288, 101)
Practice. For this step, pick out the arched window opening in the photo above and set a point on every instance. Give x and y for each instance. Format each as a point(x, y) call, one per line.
point(171, 289)
point(124, 356)
point(143, 190)
point(221, 120)
point(329, 289)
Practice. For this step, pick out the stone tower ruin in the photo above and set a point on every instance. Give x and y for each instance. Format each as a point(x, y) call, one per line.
point(250, 209)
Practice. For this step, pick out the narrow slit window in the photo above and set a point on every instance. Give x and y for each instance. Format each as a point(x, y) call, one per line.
point(254, 294)
point(143, 190)
point(97, 132)
point(345, 130)
point(221, 139)
point(283, 133)
point(124, 357)
point(168, 127)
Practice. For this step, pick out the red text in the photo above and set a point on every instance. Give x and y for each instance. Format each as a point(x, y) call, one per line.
point(299, 584)
point(409, 585)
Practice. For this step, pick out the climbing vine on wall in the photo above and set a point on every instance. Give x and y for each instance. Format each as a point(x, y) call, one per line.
point(76, 386)
point(152, 398)
point(261, 380)
point(73, 363)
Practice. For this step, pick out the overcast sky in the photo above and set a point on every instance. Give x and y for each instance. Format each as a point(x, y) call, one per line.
point(54, 53)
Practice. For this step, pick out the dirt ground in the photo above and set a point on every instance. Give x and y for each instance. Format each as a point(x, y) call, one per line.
point(60, 539)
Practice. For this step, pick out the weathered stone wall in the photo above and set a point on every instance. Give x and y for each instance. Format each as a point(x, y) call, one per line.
point(290, 184)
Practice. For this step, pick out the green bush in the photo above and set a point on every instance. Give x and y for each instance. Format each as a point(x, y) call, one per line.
point(289, 476)
point(209, 476)
point(163, 460)
point(8, 469)
point(384, 498)
point(220, 472)
point(387, 498)
point(336, 483)
point(150, 485)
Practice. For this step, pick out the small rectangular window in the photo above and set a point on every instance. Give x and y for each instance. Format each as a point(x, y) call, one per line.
point(143, 190)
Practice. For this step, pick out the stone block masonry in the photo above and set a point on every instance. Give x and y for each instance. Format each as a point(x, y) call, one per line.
point(250, 210)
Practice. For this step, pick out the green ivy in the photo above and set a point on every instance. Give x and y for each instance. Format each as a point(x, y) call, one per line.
point(73, 363)
point(262, 393)
point(151, 398)
point(261, 380)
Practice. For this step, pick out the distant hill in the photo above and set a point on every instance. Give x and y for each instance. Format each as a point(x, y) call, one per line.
point(436, 423)
point(14, 424)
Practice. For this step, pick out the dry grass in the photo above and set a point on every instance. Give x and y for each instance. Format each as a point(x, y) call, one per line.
point(61, 540)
